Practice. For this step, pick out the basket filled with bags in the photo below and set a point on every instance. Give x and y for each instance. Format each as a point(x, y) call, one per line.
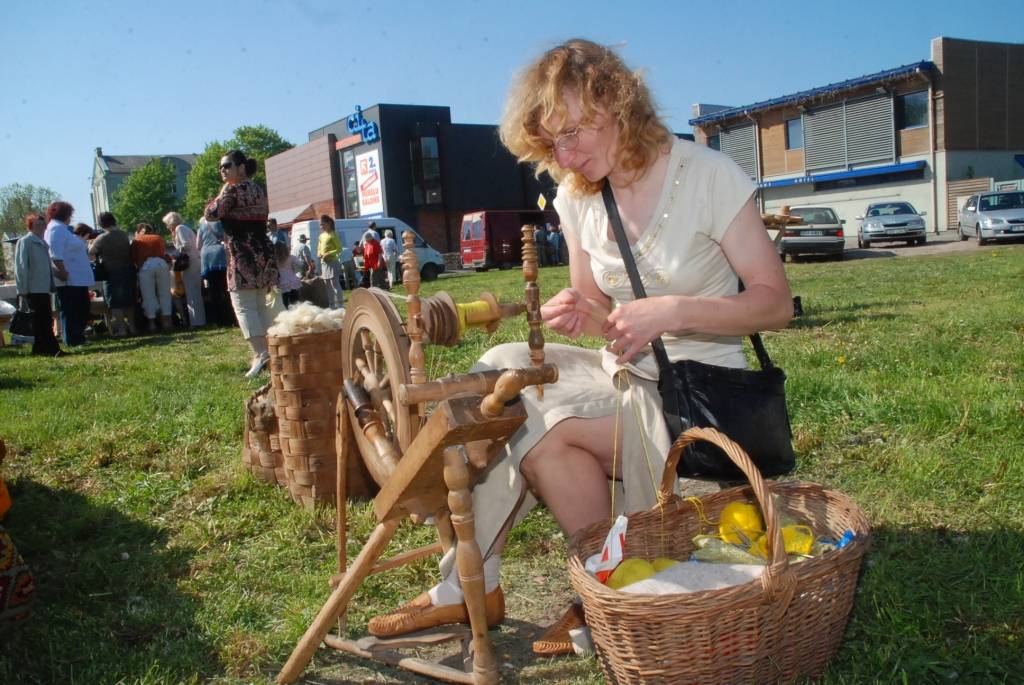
point(778, 623)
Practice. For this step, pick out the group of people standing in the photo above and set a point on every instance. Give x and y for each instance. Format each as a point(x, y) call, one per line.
point(54, 258)
point(237, 255)
point(548, 240)
point(375, 259)
point(131, 270)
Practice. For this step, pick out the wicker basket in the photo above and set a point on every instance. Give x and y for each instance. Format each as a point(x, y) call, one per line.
point(261, 449)
point(306, 373)
point(781, 627)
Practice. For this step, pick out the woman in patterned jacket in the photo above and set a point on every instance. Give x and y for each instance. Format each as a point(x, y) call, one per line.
point(241, 207)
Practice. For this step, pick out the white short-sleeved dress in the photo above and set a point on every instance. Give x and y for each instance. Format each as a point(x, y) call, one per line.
point(678, 253)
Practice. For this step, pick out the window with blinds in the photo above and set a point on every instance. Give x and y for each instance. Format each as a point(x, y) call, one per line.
point(851, 132)
point(870, 131)
point(825, 137)
point(740, 144)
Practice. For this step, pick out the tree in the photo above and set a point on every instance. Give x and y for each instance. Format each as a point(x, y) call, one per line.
point(146, 195)
point(17, 200)
point(203, 183)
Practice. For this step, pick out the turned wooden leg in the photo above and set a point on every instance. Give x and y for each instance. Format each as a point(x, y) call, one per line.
point(470, 564)
point(345, 447)
point(338, 601)
point(445, 532)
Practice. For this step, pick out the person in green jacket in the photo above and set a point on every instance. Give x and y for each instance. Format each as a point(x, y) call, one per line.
point(329, 251)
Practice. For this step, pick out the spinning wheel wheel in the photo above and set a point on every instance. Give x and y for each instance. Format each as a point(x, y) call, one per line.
point(375, 355)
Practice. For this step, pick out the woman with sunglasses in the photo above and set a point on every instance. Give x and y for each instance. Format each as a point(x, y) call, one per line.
point(579, 114)
point(241, 207)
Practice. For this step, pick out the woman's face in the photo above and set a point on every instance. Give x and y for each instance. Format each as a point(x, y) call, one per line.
point(230, 172)
point(592, 145)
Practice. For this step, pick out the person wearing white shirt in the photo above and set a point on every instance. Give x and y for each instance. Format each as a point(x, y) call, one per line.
point(74, 273)
point(390, 247)
point(185, 242)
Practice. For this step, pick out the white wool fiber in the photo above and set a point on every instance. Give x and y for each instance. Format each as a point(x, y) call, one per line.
point(695, 576)
point(306, 318)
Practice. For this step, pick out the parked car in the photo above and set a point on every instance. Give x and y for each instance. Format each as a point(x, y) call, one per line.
point(891, 222)
point(821, 233)
point(992, 216)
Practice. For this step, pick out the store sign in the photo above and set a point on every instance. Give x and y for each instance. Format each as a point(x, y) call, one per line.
point(359, 125)
point(371, 192)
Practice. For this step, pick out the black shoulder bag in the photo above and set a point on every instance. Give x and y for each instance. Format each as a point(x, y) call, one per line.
point(21, 320)
point(748, 406)
point(181, 262)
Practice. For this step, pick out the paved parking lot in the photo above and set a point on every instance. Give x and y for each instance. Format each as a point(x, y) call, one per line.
point(940, 243)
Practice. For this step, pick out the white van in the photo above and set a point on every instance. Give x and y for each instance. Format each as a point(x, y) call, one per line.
point(351, 231)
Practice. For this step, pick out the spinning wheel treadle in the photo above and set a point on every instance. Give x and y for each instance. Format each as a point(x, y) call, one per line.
point(375, 354)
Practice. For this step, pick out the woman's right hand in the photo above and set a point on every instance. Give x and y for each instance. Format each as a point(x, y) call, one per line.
point(569, 311)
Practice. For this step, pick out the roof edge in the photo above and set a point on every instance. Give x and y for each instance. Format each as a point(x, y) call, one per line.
point(923, 65)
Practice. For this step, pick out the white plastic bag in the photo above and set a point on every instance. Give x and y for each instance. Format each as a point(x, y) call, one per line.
point(601, 565)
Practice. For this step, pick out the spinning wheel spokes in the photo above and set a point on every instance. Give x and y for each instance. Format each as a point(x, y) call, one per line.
point(375, 355)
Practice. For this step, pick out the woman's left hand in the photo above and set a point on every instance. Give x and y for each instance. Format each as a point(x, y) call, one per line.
point(633, 325)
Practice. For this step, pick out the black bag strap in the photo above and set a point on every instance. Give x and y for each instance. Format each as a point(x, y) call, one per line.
point(638, 287)
point(670, 385)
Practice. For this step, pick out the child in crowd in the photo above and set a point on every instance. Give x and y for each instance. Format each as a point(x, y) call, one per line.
point(287, 266)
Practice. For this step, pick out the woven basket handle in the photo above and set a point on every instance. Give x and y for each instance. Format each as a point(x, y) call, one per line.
point(778, 580)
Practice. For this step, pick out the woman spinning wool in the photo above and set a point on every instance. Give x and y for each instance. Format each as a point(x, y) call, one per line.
point(582, 116)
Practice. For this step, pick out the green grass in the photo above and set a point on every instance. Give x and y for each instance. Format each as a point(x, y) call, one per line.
point(158, 559)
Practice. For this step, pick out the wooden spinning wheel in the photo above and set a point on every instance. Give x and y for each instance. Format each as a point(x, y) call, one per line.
point(422, 462)
point(375, 355)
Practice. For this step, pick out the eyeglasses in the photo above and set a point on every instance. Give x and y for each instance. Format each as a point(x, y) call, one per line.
point(227, 165)
point(567, 141)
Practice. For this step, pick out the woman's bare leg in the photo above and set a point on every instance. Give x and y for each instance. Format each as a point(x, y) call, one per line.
point(569, 470)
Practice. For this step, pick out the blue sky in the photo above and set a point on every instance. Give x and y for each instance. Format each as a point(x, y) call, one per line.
point(153, 78)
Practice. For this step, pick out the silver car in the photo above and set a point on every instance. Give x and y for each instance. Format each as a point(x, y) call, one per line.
point(992, 216)
point(821, 233)
point(891, 221)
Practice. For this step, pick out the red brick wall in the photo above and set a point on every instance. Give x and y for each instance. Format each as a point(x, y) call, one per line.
point(431, 225)
point(303, 176)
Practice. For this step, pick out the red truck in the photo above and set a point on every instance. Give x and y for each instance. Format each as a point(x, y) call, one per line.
point(493, 237)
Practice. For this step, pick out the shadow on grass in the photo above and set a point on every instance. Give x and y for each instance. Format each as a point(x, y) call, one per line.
point(9, 382)
point(146, 340)
point(936, 605)
point(869, 253)
point(814, 317)
point(106, 608)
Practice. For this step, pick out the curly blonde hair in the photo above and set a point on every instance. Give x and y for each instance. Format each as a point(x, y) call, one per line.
point(603, 82)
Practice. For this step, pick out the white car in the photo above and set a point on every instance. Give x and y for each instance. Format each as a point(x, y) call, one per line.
point(890, 221)
point(992, 216)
